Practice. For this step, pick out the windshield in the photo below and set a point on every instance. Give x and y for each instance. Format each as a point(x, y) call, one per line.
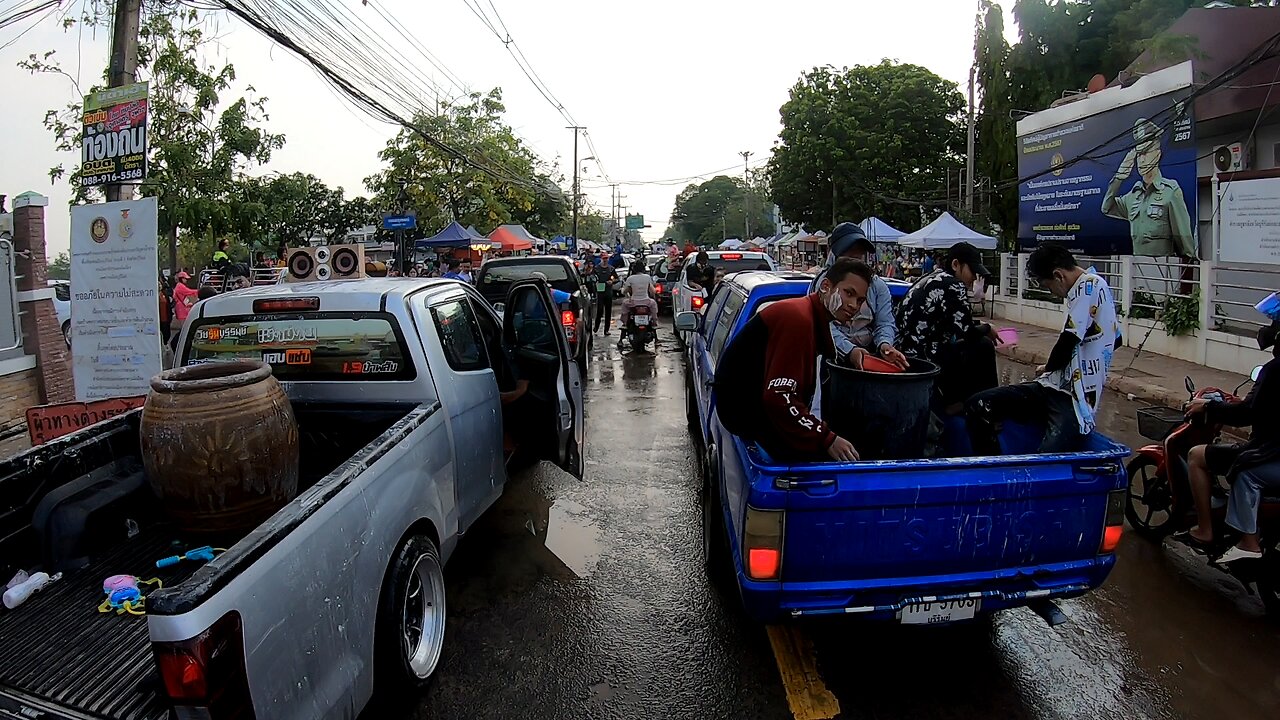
point(314, 346)
point(740, 264)
point(496, 279)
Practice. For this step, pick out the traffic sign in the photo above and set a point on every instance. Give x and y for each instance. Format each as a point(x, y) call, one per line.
point(399, 222)
point(635, 222)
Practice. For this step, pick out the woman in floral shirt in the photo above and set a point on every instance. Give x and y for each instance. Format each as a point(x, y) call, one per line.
point(935, 323)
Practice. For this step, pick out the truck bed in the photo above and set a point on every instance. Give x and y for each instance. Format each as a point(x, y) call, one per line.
point(58, 654)
point(57, 647)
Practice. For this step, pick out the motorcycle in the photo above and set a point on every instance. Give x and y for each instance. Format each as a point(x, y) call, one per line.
point(639, 330)
point(1158, 499)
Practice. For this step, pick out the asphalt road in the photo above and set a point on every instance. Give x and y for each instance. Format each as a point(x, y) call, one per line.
point(587, 599)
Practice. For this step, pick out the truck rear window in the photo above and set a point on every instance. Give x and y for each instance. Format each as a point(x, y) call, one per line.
point(314, 346)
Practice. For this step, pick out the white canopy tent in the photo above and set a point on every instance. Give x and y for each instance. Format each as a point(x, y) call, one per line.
point(879, 231)
point(943, 233)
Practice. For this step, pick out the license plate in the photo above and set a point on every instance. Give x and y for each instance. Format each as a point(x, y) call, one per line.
point(940, 613)
point(600, 287)
point(642, 320)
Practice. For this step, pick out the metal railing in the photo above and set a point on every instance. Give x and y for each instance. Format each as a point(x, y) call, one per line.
point(1236, 290)
point(257, 276)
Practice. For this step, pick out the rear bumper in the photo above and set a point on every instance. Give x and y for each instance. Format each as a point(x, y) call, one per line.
point(883, 599)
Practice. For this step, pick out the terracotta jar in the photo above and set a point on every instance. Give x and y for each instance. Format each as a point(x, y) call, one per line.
point(220, 445)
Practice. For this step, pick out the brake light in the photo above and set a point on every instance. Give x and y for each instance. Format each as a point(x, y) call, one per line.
point(567, 319)
point(658, 288)
point(697, 301)
point(731, 256)
point(208, 670)
point(1114, 522)
point(286, 304)
point(762, 543)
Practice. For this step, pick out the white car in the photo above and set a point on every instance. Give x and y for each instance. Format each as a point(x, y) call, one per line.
point(62, 306)
point(684, 297)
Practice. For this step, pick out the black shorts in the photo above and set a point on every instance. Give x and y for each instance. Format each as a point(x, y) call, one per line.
point(1221, 456)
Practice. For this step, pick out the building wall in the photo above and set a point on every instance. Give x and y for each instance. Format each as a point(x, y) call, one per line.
point(18, 391)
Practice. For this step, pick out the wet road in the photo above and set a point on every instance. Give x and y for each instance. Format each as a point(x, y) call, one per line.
point(588, 600)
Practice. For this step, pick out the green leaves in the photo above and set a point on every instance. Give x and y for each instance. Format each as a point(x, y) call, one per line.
point(856, 138)
point(707, 213)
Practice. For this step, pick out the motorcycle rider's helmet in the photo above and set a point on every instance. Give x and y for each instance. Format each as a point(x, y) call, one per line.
point(1267, 334)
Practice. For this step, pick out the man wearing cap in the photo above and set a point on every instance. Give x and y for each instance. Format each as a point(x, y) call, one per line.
point(937, 325)
point(872, 328)
point(1155, 207)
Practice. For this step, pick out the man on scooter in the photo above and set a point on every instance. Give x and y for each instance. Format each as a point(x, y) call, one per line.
point(1250, 467)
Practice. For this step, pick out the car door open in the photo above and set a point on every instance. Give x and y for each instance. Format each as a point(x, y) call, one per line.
point(548, 420)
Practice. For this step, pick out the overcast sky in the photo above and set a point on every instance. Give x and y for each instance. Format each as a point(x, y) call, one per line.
point(667, 88)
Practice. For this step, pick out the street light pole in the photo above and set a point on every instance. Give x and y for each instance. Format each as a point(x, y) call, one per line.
point(746, 198)
point(575, 129)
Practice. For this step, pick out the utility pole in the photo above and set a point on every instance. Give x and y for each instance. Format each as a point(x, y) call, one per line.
point(746, 197)
point(576, 170)
point(968, 163)
point(123, 70)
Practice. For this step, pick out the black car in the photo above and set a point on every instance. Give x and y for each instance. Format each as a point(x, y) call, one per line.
point(496, 276)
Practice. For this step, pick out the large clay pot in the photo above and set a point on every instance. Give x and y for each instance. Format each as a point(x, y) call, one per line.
point(220, 445)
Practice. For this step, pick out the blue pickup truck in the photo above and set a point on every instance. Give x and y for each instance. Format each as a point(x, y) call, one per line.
point(917, 541)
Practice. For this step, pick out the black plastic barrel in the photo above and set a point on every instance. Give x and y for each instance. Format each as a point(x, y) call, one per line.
point(884, 415)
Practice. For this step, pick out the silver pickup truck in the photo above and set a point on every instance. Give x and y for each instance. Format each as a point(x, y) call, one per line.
point(402, 449)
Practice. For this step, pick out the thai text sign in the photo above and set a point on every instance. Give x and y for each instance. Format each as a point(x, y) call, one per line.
point(113, 146)
point(115, 310)
point(1120, 182)
point(50, 422)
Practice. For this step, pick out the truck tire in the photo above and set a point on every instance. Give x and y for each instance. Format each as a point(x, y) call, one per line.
point(411, 619)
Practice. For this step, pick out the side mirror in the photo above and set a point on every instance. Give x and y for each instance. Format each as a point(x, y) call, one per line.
point(1191, 386)
point(1257, 372)
point(689, 321)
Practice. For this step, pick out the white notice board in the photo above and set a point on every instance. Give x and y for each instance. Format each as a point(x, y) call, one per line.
point(1250, 231)
point(115, 311)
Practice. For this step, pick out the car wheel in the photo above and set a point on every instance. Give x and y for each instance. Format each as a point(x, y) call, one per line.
point(66, 333)
point(715, 548)
point(411, 618)
point(691, 413)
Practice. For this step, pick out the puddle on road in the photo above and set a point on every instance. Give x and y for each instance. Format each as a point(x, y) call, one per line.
point(572, 537)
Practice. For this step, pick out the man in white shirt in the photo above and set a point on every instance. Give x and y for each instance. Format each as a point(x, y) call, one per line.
point(1068, 387)
point(637, 289)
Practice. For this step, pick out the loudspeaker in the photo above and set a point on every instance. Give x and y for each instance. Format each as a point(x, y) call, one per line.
point(326, 262)
point(347, 261)
point(301, 264)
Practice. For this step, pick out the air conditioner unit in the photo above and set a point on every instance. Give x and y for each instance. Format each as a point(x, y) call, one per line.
point(1230, 158)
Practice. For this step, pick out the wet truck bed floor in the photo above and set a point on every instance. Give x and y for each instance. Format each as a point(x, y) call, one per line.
point(57, 646)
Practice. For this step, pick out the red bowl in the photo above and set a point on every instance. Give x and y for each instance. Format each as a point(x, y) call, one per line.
point(871, 363)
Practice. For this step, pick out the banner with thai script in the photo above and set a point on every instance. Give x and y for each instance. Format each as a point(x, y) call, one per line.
point(1121, 182)
point(113, 144)
point(115, 303)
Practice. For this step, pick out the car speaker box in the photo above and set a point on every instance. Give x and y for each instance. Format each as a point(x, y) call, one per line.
point(326, 262)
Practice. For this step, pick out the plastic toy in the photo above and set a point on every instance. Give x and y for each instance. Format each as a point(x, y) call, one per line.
point(200, 554)
point(124, 595)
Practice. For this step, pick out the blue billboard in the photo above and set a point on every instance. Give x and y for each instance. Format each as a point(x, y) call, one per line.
point(1121, 182)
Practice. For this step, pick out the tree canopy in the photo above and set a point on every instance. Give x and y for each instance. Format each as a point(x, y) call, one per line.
point(490, 178)
point(857, 140)
point(708, 212)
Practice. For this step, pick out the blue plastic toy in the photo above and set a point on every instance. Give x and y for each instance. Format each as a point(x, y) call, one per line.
point(200, 554)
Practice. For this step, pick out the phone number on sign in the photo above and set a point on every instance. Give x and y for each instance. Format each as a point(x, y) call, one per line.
point(112, 177)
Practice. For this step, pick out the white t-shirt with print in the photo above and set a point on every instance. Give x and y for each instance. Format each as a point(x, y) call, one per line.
point(1090, 315)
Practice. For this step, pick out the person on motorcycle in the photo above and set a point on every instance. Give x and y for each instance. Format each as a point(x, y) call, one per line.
point(1251, 467)
point(637, 289)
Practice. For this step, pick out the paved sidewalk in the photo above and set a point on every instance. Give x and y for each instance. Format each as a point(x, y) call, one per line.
point(1152, 378)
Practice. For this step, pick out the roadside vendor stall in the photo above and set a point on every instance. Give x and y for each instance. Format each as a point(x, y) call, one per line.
point(944, 232)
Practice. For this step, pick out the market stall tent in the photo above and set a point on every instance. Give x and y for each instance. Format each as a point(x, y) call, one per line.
point(513, 238)
point(879, 231)
point(453, 236)
point(944, 232)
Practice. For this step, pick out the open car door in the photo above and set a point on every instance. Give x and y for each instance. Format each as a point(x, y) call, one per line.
point(552, 426)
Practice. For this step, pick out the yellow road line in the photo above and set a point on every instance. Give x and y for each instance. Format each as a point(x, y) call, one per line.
point(807, 695)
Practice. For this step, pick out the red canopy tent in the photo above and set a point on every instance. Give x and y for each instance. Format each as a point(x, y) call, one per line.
point(510, 237)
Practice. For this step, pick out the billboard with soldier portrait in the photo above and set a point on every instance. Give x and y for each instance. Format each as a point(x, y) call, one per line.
point(1120, 182)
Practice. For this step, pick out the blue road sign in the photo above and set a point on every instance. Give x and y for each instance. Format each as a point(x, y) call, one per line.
point(399, 222)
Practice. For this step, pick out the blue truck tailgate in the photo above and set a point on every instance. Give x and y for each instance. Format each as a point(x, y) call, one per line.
point(914, 519)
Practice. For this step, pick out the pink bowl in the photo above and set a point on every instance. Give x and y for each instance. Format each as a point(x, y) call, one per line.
point(1009, 336)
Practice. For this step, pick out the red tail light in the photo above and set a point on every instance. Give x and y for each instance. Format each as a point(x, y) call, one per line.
point(1111, 538)
point(208, 670)
point(567, 318)
point(762, 563)
point(286, 304)
point(697, 301)
point(1113, 522)
point(658, 287)
point(731, 256)
point(762, 542)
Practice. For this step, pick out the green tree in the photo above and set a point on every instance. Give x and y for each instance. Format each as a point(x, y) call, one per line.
point(199, 142)
point(60, 267)
point(855, 142)
point(708, 212)
point(485, 176)
point(995, 136)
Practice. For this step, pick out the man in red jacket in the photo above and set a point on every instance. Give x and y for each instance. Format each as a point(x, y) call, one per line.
point(768, 376)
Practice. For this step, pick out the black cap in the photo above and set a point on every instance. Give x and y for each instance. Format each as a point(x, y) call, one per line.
point(968, 255)
point(845, 236)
